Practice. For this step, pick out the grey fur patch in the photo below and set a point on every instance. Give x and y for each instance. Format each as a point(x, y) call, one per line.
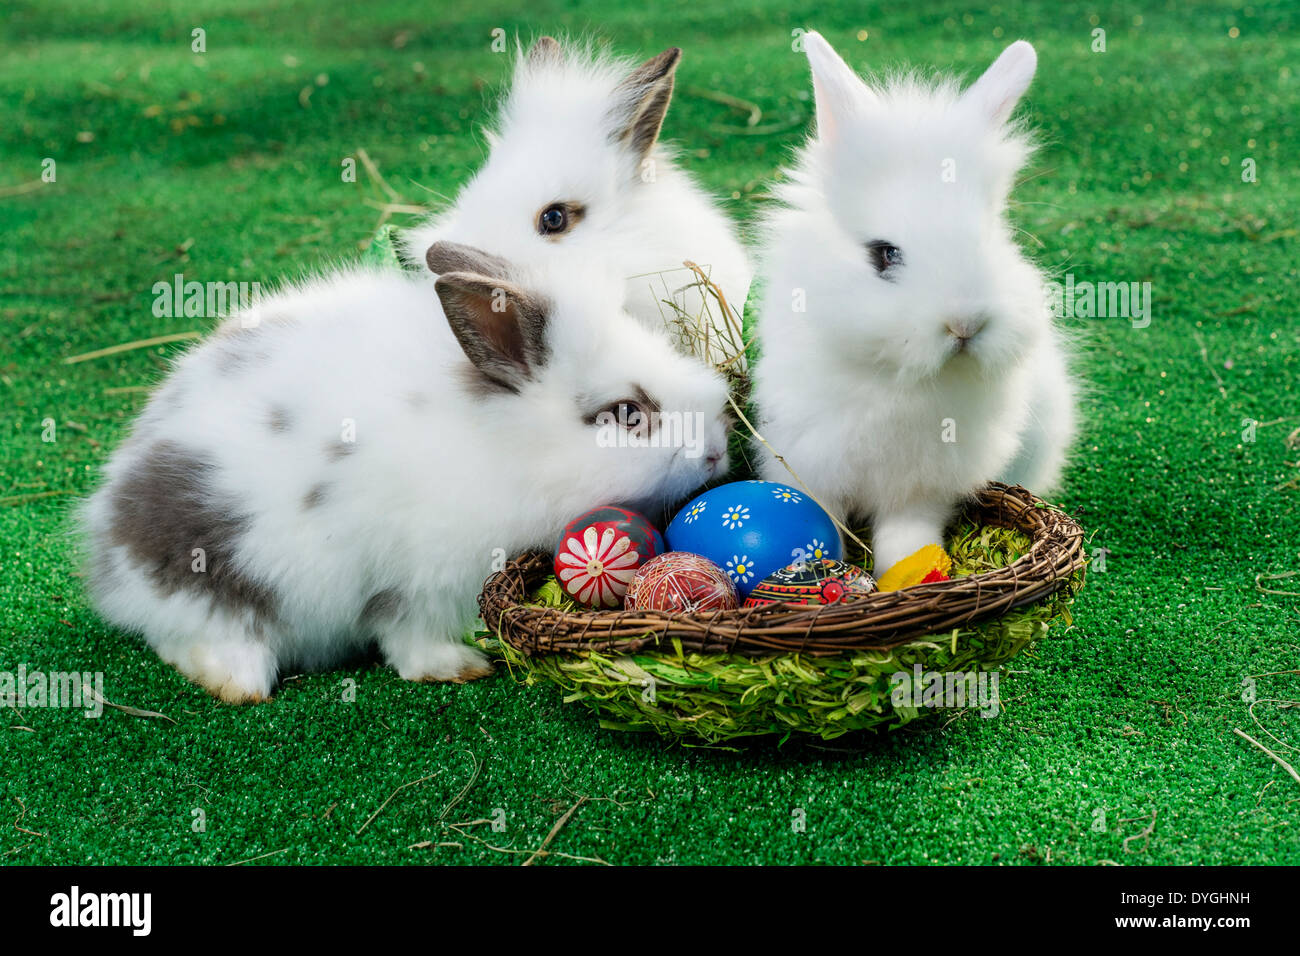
point(164, 509)
point(279, 419)
point(231, 360)
point(417, 400)
point(314, 496)
point(338, 449)
point(478, 385)
point(381, 606)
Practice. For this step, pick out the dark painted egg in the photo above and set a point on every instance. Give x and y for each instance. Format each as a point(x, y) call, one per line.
point(813, 582)
point(599, 552)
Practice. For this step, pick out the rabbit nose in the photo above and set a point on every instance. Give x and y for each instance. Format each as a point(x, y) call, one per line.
point(963, 330)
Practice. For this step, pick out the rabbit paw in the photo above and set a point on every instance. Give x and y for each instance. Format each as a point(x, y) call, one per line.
point(434, 661)
point(241, 673)
point(901, 534)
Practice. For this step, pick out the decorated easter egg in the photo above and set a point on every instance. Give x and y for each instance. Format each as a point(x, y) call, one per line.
point(752, 528)
point(600, 551)
point(813, 582)
point(682, 583)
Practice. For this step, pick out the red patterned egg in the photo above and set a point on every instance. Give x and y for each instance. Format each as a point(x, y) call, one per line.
point(812, 582)
point(600, 551)
point(682, 583)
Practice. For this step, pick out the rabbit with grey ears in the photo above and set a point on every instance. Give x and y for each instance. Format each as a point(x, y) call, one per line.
point(908, 353)
point(343, 466)
point(575, 171)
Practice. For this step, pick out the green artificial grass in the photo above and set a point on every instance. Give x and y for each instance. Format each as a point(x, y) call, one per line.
point(226, 166)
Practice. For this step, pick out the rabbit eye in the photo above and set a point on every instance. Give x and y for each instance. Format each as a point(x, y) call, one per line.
point(553, 219)
point(628, 413)
point(558, 218)
point(635, 414)
point(884, 256)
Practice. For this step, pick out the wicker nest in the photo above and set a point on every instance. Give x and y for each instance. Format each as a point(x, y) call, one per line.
point(839, 655)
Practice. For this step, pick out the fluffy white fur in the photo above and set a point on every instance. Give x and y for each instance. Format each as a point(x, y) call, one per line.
point(441, 474)
point(860, 389)
point(555, 139)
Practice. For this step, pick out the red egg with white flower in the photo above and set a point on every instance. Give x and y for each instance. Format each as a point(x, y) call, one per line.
point(600, 551)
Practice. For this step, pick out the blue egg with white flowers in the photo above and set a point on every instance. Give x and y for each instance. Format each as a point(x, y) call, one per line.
point(752, 528)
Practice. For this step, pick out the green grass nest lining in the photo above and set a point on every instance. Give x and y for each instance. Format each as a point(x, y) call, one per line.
point(721, 697)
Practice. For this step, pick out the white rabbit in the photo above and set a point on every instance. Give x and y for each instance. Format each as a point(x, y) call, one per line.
point(343, 466)
point(908, 353)
point(575, 171)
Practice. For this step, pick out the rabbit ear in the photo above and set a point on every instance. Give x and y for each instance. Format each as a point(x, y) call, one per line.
point(500, 327)
point(996, 92)
point(545, 51)
point(641, 101)
point(444, 257)
point(838, 91)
